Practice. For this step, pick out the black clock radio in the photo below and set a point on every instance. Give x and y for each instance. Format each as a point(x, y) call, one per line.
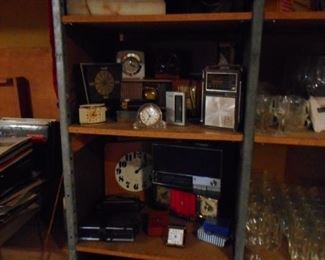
point(194, 166)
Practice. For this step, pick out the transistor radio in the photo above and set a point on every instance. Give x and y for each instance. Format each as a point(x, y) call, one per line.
point(221, 96)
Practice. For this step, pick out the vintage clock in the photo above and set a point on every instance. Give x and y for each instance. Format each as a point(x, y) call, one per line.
point(207, 207)
point(161, 197)
point(128, 168)
point(133, 66)
point(149, 115)
point(176, 235)
point(101, 81)
point(182, 203)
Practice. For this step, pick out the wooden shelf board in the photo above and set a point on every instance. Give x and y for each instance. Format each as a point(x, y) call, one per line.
point(190, 132)
point(295, 16)
point(307, 138)
point(161, 19)
point(155, 249)
point(192, 18)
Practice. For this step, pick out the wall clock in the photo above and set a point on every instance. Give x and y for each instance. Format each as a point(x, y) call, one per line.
point(128, 169)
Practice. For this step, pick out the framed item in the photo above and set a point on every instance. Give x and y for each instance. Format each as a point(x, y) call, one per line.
point(101, 81)
point(128, 168)
point(207, 207)
point(161, 197)
point(176, 235)
point(133, 66)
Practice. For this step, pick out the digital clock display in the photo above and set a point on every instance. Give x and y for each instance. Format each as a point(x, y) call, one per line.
point(221, 82)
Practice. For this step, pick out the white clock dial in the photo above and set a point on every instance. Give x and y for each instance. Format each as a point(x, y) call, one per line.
point(175, 236)
point(133, 171)
point(150, 115)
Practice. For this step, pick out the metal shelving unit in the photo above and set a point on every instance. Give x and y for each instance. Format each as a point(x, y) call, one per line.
point(247, 138)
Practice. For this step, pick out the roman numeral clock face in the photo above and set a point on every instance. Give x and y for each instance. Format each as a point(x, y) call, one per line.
point(133, 171)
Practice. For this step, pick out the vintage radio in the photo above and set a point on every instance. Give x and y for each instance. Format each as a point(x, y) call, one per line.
point(221, 96)
point(191, 166)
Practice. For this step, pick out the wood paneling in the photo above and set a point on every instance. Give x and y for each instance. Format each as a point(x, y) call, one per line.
point(34, 64)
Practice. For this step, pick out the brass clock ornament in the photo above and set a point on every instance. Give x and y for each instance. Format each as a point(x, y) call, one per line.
point(149, 115)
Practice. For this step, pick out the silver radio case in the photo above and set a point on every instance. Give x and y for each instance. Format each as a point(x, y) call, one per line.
point(221, 97)
point(175, 108)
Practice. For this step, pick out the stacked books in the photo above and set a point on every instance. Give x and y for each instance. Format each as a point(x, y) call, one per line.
point(19, 188)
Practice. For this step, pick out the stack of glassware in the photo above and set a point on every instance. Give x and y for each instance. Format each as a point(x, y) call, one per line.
point(278, 213)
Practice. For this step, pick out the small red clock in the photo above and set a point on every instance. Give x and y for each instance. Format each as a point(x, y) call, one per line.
point(183, 203)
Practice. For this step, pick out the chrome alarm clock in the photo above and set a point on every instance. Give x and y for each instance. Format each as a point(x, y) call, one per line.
point(133, 66)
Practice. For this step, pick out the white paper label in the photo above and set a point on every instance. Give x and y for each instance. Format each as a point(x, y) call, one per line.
point(206, 184)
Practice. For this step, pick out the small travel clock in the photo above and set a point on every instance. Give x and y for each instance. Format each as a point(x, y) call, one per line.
point(176, 235)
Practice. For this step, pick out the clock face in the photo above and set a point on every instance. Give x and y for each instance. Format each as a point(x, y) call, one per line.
point(104, 83)
point(131, 64)
point(208, 207)
point(149, 114)
point(175, 236)
point(133, 171)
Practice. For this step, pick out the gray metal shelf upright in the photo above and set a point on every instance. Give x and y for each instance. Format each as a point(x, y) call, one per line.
point(247, 145)
point(65, 120)
point(249, 123)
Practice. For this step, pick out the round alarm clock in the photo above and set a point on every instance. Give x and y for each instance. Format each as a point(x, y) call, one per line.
point(149, 115)
point(132, 64)
point(92, 113)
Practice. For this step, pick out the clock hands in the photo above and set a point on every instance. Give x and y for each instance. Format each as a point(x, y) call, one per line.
point(143, 165)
